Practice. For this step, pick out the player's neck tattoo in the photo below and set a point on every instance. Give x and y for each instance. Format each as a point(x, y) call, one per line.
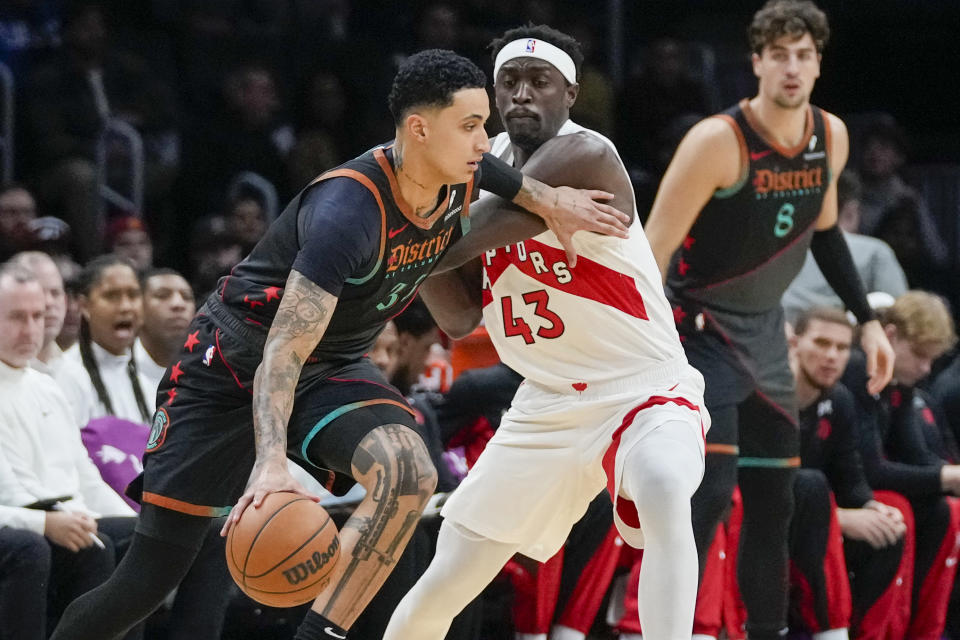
point(398, 156)
point(410, 178)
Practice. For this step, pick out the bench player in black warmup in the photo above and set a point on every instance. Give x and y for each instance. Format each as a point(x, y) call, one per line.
point(274, 364)
point(746, 193)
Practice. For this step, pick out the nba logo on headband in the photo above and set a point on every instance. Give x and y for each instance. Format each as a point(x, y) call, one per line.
point(540, 49)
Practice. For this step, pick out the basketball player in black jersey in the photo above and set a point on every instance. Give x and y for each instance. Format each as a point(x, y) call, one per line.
point(274, 364)
point(744, 196)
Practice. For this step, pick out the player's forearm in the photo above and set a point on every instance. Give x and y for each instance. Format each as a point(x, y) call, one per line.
point(454, 299)
point(832, 255)
point(535, 196)
point(298, 326)
point(274, 388)
point(494, 223)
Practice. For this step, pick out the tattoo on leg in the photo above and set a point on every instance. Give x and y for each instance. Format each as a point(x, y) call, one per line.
point(398, 458)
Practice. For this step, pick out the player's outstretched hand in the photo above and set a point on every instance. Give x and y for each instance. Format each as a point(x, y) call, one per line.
point(569, 210)
point(266, 478)
point(879, 356)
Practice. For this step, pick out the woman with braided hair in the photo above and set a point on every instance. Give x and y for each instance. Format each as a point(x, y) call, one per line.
point(103, 378)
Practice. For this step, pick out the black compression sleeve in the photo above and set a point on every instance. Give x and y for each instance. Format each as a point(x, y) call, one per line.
point(496, 176)
point(832, 254)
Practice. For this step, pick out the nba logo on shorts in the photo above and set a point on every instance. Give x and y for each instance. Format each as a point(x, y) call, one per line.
point(208, 356)
point(531, 44)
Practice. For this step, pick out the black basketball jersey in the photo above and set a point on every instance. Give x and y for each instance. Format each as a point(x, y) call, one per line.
point(750, 240)
point(829, 442)
point(409, 249)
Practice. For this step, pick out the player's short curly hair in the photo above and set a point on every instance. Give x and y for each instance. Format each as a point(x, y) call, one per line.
point(560, 40)
point(793, 18)
point(429, 79)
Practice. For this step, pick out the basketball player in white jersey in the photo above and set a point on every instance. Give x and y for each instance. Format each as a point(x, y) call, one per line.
point(609, 400)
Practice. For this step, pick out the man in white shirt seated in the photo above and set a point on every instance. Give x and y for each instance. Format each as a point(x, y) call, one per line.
point(50, 359)
point(42, 462)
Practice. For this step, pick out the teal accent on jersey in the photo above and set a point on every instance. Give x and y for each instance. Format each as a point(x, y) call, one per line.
point(768, 463)
point(324, 421)
point(372, 273)
point(733, 189)
point(336, 413)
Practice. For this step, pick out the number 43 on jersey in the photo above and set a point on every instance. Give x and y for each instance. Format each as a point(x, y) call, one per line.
point(514, 325)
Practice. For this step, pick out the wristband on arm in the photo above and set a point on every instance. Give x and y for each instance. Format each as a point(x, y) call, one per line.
point(496, 176)
point(832, 254)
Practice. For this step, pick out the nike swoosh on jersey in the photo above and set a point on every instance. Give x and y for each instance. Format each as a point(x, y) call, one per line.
point(756, 155)
point(392, 233)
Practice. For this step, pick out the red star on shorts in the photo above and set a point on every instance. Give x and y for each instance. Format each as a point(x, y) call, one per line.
point(688, 242)
point(273, 292)
point(176, 372)
point(253, 303)
point(171, 395)
point(678, 315)
point(192, 341)
point(683, 267)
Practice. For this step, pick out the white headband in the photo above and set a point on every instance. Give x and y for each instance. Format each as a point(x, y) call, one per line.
point(532, 48)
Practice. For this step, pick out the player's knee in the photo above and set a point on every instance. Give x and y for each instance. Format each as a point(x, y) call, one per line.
point(663, 483)
point(812, 495)
point(767, 493)
point(402, 461)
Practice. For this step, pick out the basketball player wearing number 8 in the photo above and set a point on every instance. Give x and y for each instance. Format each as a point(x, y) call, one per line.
point(746, 193)
point(609, 400)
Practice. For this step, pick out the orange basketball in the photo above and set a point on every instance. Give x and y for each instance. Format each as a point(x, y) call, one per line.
point(282, 553)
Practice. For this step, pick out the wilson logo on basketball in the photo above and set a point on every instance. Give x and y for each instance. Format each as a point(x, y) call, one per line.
point(765, 181)
point(300, 572)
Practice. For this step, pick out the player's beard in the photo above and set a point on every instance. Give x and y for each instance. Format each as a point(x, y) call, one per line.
point(791, 103)
point(529, 138)
point(529, 142)
point(813, 382)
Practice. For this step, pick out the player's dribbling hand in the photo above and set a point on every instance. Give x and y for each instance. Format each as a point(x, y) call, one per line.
point(266, 478)
point(879, 356)
point(569, 210)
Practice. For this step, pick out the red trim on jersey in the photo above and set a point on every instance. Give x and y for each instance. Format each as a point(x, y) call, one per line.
point(216, 339)
point(625, 508)
point(590, 279)
point(799, 237)
point(767, 137)
point(372, 188)
point(744, 152)
point(403, 205)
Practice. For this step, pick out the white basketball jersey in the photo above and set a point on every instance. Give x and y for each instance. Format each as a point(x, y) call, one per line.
point(604, 319)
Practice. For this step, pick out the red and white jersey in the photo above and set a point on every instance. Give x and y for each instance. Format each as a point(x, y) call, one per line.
point(605, 319)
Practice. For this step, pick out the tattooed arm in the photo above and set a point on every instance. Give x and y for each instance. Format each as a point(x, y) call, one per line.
point(301, 320)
